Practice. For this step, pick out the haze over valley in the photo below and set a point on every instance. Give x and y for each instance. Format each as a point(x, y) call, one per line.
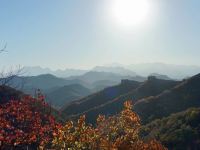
point(100, 75)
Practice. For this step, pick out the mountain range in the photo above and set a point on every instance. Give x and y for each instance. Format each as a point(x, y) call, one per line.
point(153, 99)
point(168, 109)
point(111, 105)
point(171, 70)
point(68, 89)
point(37, 70)
point(141, 69)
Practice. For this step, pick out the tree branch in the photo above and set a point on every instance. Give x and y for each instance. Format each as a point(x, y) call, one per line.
point(3, 49)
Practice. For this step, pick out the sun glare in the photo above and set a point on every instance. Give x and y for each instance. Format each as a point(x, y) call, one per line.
point(130, 12)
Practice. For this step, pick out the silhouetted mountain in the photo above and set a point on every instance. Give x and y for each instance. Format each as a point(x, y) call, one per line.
point(43, 82)
point(47, 81)
point(142, 69)
point(101, 84)
point(61, 95)
point(151, 87)
point(52, 84)
point(160, 76)
point(171, 70)
point(113, 105)
point(99, 98)
point(94, 76)
point(37, 70)
point(178, 131)
point(117, 70)
point(183, 96)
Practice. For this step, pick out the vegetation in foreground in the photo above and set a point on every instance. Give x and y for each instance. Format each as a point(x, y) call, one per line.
point(28, 124)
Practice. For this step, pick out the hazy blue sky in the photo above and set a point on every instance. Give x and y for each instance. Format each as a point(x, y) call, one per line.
point(81, 34)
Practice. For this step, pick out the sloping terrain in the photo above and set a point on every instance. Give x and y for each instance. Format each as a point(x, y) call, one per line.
point(68, 93)
point(46, 81)
point(113, 105)
point(99, 98)
point(94, 76)
point(183, 96)
point(8, 93)
point(177, 131)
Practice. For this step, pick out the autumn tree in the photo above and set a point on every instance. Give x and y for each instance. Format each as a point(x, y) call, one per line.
point(26, 124)
point(119, 132)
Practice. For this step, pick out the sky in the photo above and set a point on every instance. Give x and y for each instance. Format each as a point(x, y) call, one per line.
point(82, 34)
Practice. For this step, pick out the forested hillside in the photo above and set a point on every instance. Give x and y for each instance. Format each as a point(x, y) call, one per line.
point(61, 95)
point(112, 105)
point(179, 98)
point(177, 131)
point(99, 98)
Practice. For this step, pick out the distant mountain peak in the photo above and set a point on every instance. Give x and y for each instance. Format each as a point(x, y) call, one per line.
point(115, 69)
point(37, 70)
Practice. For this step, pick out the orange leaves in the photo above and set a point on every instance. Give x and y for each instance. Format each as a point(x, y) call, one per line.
point(100, 119)
point(81, 121)
point(25, 122)
point(119, 132)
point(76, 135)
point(33, 138)
point(128, 104)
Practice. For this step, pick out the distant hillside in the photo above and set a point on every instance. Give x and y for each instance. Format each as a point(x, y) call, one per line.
point(61, 95)
point(47, 81)
point(160, 76)
point(43, 82)
point(99, 98)
point(94, 76)
point(101, 84)
point(37, 70)
point(8, 93)
point(52, 85)
point(150, 87)
point(140, 69)
point(93, 80)
point(117, 70)
point(178, 131)
point(171, 70)
point(183, 96)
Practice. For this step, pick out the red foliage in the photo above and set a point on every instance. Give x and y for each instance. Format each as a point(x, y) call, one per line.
point(26, 122)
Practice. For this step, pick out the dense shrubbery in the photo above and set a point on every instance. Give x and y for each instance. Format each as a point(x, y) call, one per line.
point(117, 132)
point(178, 131)
point(27, 124)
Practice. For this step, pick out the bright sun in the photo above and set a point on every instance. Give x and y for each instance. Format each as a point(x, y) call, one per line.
point(130, 12)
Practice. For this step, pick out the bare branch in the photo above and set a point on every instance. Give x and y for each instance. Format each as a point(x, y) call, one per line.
point(7, 77)
point(3, 49)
